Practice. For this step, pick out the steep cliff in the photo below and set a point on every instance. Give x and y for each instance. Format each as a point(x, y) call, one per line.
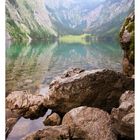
point(127, 35)
point(27, 19)
point(99, 17)
point(38, 19)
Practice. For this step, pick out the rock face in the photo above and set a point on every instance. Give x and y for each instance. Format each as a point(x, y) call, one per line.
point(25, 104)
point(123, 116)
point(89, 123)
point(28, 19)
point(50, 133)
point(53, 119)
point(90, 16)
point(97, 88)
point(127, 35)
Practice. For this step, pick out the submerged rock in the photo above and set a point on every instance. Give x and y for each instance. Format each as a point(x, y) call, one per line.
point(127, 35)
point(97, 88)
point(123, 116)
point(89, 124)
point(52, 120)
point(26, 104)
point(50, 133)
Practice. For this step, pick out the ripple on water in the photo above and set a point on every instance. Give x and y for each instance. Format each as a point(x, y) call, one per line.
point(25, 126)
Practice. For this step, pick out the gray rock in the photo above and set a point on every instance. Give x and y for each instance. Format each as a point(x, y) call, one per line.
point(26, 104)
point(97, 88)
point(123, 116)
point(52, 120)
point(87, 123)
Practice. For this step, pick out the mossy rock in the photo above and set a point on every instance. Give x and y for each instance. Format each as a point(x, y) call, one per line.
point(127, 39)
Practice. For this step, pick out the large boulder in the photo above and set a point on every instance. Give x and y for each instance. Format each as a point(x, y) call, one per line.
point(87, 123)
point(26, 104)
point(123, 116)
point(95, 88)
point(50, 133)
point(127, 35)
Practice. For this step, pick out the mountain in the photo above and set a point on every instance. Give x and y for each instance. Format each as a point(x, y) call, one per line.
point(45, 19)
point(26, 19)
point(91, 16)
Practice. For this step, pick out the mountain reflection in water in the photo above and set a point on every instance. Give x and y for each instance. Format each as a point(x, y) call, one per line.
point(33, 66)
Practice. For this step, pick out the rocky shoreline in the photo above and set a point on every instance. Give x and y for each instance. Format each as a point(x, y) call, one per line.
point(86, 106)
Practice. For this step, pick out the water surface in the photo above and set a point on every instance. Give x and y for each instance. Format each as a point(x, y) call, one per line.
point(32, 66)
point(26, 126)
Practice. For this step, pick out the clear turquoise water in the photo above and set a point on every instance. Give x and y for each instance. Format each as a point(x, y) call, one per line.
point(33, 66)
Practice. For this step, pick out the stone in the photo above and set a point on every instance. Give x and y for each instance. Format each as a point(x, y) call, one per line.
point(127, 35)
point(71, 72)
point(52, 120)
point(26, 104)
point(82, 123)
point(87, 123)
point(95, 88)
point(123, 116)
point(50, 133)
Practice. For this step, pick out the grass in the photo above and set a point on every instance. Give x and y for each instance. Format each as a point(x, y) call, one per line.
point(82, 39)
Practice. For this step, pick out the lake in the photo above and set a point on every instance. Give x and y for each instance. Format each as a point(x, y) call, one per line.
point(33, 66)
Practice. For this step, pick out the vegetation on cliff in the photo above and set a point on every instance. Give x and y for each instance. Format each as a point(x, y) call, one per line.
point(27, 20)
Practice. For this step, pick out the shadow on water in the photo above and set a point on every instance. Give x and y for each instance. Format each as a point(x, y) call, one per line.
point(35, 64)
point(32, 66)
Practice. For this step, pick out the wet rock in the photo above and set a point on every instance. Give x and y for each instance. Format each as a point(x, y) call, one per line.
point(52, 120)
point(97, 88)
point(89, 123)
point(123, 116)
point(11, 119)
point(26, 104)
point(127, 35)
point(50, 133)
